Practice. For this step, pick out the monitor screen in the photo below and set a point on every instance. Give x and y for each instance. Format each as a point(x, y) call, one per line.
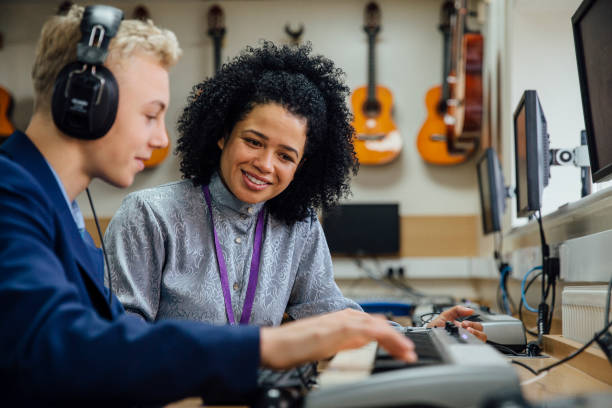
point(592, 26)
point(492, 191)
point(362, 229)
point(531, 154)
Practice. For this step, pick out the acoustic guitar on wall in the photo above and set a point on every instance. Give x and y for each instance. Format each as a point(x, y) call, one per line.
point(431, 140)
point(158, 155)
point(377, 140)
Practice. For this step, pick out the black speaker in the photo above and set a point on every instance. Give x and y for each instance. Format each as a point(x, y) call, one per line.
point(86, 94)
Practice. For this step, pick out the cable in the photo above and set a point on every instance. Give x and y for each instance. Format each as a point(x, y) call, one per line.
point(507, 304)
point(407, 288)
point(571, 356)
point(372, 276)
point(523, 290)
point(520, 308)
point(110, 283)
point(525, 366)
point(543, 326)
point(505, 349)
point(431, 316)
point(553, 283)
point(383, 282)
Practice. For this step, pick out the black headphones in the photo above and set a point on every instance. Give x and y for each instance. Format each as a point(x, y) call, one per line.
point(86, 94)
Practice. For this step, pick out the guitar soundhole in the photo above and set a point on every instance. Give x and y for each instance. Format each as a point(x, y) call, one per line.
point(442, 106)
point(371, 108)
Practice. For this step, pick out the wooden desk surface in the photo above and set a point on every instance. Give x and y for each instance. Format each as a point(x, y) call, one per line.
point(561, 381)
point(594, 374)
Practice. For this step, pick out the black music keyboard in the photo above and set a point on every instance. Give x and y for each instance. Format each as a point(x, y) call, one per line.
point(455, 370)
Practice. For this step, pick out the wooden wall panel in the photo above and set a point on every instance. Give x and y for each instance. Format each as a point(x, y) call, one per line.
point(451, 235)
point(421, 236)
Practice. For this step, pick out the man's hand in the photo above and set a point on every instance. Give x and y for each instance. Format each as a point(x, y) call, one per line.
point(323, 336)
point(456, 312)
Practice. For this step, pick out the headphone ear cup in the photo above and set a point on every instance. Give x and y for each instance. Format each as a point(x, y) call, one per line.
point(74, 109)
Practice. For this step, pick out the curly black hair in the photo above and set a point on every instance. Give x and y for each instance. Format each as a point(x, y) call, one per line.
point(308, 86)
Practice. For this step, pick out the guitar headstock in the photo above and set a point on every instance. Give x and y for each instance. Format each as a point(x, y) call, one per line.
point(372, 19)
point(294, 34)
point(446, 11)
point(141, 13)
point(216, 22)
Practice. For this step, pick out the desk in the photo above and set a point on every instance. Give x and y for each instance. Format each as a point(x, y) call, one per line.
point(562, 381)
point(588, 372)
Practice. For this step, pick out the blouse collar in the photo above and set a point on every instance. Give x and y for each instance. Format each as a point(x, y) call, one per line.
point(222, 197)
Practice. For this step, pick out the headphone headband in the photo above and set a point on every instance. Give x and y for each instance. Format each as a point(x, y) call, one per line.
point(86, 94)
point(100, 21)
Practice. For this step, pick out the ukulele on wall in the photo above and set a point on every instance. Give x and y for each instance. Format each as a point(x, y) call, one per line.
point(376, 140)
point(464, 114)
point(431, 141)
point(158, 155)
point(216, 31)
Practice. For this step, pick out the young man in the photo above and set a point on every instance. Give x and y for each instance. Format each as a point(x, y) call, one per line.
point(63, 343)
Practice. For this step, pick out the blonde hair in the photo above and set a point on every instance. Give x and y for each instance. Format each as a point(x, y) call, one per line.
point(58, 43)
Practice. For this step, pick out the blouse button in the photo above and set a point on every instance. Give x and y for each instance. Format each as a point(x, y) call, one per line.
point(250, 210)
point(236, 286)
point(238, 240)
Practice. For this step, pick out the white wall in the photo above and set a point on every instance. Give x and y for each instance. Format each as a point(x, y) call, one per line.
point(409, 53)
point(542, 57)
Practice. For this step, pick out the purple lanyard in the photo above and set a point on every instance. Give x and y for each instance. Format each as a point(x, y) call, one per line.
point(250, 295)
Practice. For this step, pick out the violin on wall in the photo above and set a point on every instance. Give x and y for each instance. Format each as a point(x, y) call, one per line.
point(464, 115)
point(376, 140)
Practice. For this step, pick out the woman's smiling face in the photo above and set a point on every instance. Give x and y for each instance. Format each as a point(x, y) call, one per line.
point(262, 153)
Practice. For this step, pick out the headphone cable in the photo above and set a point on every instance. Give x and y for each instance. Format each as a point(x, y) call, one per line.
point(110, 283)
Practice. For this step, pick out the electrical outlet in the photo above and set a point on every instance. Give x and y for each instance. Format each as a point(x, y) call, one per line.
point(523, 259)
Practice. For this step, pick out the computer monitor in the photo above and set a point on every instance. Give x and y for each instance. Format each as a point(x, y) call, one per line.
point(492, 191)
point(531, 154)
point(362, 229)
point(592, 37)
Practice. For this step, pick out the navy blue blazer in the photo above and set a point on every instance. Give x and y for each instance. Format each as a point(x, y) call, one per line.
point(61, 343)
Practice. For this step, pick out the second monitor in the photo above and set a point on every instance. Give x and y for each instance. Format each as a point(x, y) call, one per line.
point(362, 229)
point(492, 191)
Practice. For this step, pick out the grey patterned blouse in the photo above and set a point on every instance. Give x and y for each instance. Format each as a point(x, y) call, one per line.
point(162, 259)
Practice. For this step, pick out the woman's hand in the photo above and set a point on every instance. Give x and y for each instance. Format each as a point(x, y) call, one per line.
point(456, 312)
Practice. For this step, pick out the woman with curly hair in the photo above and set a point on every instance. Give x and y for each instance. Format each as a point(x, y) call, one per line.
point(263, 144)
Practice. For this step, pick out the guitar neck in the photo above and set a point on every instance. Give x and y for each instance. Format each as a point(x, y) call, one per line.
point(371, 67)
point(446, 68)
point(217, 44)
point(216, 31)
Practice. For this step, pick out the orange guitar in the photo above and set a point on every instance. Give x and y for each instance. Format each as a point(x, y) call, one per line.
point(376, 140)
point(464, 115)
point(431, 141)
point(158, 155)
point(6, 127)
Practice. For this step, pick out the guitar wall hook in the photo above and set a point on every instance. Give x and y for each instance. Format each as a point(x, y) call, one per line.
point(294, 34)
